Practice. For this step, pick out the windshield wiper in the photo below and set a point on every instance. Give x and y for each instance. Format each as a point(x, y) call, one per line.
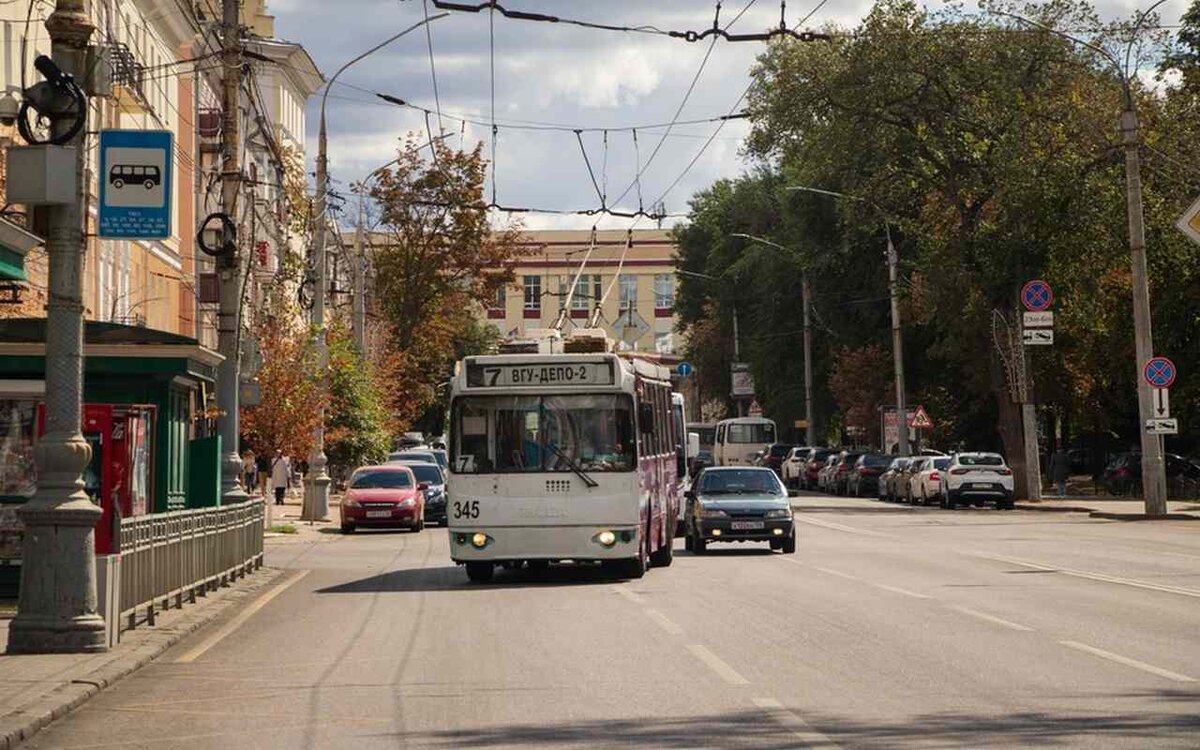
point(574, 467)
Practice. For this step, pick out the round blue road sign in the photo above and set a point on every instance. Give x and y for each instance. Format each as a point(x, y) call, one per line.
point(684, 369)
point(1159, 372)
point(1037, 296)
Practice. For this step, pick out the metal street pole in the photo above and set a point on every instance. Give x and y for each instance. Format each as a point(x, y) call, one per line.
point(56, 611)
point(230, 266)
point(810, 430)
point(359, 270)
point(893, 293)
point(1154, 475)
point(316, 485)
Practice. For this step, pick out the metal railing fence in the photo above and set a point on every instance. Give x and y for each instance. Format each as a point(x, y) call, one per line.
point(169, 558)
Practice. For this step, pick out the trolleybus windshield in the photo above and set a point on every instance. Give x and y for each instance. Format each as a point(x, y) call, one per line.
point(503, 434)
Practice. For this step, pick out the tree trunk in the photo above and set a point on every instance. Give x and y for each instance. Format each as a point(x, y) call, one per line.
point(1009, 426)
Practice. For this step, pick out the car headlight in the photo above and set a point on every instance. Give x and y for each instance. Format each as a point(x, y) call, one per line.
point(407, 502)
point(779, 513)
point(350, 502)
point(713, 513)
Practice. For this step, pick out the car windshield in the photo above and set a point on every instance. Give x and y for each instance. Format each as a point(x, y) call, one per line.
point(502, 434)
point(740, 482)
point(899, 464)
point(850, 458)
point(381, 480)
point(412, 456)
point(427, 473)
point(753, 432)
point(984, 460)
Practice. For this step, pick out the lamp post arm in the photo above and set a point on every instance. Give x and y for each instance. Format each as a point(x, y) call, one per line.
point(1137, 28)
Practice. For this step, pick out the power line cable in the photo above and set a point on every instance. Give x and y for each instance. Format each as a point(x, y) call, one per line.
point(437, 100)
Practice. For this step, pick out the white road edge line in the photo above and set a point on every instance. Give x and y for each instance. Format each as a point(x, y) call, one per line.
point(992, 619)
point(841, 527)
point(632, 596)
point(1089, 575)
point(1127, 661)
point(239, 620)
point(839, 574)
point(898, 590)
point(800, 728)
point(664, 622)
point(714, 662)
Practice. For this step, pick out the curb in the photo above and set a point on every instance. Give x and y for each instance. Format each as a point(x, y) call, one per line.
point(1143, 516)
point(1054, 508)
point(21, 725)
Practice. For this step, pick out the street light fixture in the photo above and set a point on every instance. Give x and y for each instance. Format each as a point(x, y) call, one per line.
point(810, 432)
point(1154, 478)
point(316, 495)
point(897, 344)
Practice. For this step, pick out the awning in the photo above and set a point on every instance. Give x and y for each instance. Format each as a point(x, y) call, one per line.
point(15, 242)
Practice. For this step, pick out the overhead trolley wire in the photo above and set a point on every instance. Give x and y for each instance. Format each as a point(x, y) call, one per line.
point(437, 99)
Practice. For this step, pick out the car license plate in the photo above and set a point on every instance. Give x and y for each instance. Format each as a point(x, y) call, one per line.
point(379, 514)
point(980, 486)
point(741, 525)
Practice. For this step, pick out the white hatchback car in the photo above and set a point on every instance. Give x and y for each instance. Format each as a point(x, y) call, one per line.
point(795, 463)
point(925, 483)
point(977, 478)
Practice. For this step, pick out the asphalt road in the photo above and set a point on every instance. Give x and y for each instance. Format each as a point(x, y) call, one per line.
point(892, 627)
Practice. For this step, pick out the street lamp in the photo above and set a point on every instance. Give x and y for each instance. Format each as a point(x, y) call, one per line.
point(810, 432)
point(897, 344)
point(316, 496)
point(1154, 479)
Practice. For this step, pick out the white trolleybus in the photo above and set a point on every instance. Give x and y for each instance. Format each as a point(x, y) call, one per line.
point(557, 457)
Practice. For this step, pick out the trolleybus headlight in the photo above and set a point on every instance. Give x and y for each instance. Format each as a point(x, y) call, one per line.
point(479, 540)
point(605, 538)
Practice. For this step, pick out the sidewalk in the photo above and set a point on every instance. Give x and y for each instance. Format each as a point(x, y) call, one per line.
point(1116, 508)
point(36, 689)
point(284, 524)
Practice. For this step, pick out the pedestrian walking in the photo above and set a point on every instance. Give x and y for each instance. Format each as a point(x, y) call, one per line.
point(249, 472)
point(1060, 469)
point(281, 475)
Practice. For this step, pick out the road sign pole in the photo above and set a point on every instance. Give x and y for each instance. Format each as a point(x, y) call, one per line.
point(810, 430)
point(1033, 472)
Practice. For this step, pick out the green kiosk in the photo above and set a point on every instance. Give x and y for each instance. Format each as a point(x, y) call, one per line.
point(145, 394)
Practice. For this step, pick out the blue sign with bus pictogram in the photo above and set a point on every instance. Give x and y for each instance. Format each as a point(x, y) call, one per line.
point(135, 184)
point(1037, 296)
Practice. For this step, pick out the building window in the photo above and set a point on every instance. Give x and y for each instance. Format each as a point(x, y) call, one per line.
point(628, 284)
point(587, 292)
point(498, 306)
point(664, 342)
point(664, 295)
point(533, 296)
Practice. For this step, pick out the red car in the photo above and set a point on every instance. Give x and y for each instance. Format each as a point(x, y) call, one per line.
point(383, 496)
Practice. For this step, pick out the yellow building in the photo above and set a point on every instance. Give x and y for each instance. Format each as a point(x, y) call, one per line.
point(634, 286)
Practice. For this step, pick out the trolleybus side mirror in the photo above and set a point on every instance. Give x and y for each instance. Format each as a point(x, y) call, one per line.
point(693, 444)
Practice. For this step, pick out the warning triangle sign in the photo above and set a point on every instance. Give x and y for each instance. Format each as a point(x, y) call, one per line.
point(920, 420)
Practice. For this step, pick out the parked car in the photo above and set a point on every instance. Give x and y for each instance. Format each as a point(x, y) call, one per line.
point(434, 480)
point(864, 477)
point(889, 480)
point(383, 496)
point(413, 455)
point(816, 461)
point(1124, 473)
point(841, 471)
point(773, 456)
point(825, 475)
point(795, 466)
point(977, 478)
point(739, 504)
point(925, 483)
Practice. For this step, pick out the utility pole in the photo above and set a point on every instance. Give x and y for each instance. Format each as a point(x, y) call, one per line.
point(897, 348)
point(316, 483)
point(230, 263)
point(1154, 475)
point(810, 430)
point(359, 269)
point(737, 357)
point(57, 607)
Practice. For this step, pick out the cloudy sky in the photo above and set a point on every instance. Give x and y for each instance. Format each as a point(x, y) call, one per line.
point(553, 74)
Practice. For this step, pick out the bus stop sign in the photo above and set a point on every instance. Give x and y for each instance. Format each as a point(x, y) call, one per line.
point(135, 184)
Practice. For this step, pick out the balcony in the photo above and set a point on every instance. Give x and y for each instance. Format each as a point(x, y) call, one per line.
point(128, 76)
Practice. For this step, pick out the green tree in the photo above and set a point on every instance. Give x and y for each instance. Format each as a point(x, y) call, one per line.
point(356, 426)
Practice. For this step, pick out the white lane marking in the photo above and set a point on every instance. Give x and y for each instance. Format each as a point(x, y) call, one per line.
point(239, 620)
point(839, 573)
point(632, 596)
point(800, 728)
point(841, 527)
point(664, 622)
point(898, 590)
point(714, 662)
point(991, 618)
point(1127, 661)
point(1181, 591)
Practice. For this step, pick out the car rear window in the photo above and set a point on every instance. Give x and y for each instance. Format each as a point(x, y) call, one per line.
point(876, 459)
point(981, 460)
point(851, 458)
point(778, 451)
point(941, 463)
